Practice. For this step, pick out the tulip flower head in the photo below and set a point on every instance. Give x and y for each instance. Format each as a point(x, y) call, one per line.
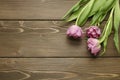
point(93, 32)
point(74, 31)
point(94, 46)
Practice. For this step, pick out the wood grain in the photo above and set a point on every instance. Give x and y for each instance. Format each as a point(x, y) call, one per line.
point(34, 9)
point(59, 69)
point(43, 39)
point(34, 46)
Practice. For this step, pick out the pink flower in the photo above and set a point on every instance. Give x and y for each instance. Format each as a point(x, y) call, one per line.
point(75, 32)
point(94, 46)
point(93, 32)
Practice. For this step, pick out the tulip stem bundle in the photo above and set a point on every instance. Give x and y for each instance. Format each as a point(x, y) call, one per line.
point(97, 10)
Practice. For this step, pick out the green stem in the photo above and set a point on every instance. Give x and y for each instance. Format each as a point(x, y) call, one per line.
point(108, 27)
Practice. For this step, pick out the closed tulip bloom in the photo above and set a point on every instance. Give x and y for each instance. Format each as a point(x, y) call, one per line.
point(94, 46)
point(93, 32)
point(75, 32)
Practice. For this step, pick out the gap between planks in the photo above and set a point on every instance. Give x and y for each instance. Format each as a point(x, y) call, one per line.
point(64, 57)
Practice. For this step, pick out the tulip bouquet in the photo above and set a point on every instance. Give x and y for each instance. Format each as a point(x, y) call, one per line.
point(96, 11)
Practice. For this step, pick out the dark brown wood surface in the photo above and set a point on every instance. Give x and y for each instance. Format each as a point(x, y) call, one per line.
point(60, 69)
point(34, 9)
point(34, 46)
point(43, 39)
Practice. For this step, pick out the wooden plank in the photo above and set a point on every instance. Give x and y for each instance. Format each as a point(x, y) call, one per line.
point(60, 69)
point(34, 9)
point(42, 39)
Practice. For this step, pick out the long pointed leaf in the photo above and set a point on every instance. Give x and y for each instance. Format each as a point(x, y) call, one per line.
point(74, 8)
point(106, 33)
point(96, 18)
point(97, 5)
point(107, 5)
point(116, 25)
point(108, 28)
point(104, 47)
point(74, 15)
point(83, 15)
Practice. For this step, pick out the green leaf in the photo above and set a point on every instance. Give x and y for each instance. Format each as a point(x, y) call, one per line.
point(74, 15)
point(104, 47)
point(97, 19)
point(106, 32)
point(107, 5)
point(100, 15)
point(83, 15)
point(97, 5)
point(73, 9)
point(101, 18)
point(106, 39)
point(108, 28)
point(116, 25)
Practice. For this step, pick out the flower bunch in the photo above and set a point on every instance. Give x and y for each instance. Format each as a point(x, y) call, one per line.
point(96, 10)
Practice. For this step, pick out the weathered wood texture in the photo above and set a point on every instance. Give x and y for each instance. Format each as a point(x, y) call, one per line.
point(40, 50)
point(59, 69)
point(34, 9)
point(42, 39)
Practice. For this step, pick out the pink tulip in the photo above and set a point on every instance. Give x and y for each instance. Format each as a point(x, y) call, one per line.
point(94, 46)
point(93, 32)
point(75, 32)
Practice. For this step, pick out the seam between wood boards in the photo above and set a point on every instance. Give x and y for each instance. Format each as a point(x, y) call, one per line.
point(34, 20)
point(66, 57)
point(31, 19)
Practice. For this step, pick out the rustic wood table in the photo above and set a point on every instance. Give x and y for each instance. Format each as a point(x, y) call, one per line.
point(33, 45)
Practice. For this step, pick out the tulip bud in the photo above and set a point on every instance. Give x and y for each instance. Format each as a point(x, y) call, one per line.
point(75, 32)
point(94, 46)
point(93, 32)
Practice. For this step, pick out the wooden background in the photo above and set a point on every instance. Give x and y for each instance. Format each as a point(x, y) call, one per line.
point(33, 45)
